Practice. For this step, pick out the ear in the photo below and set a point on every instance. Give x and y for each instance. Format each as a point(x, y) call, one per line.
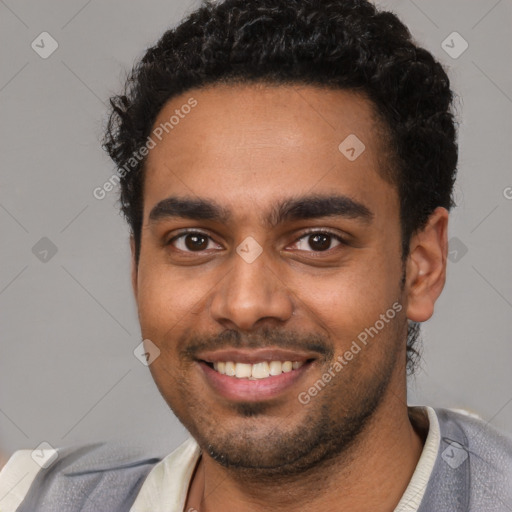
point(134, 267)
point(426, 266)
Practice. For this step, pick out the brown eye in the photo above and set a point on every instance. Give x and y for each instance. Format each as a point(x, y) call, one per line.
point(320, 241)
point(196, 242)
point(193, 241)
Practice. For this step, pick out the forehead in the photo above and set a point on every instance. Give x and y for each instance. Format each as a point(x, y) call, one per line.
point(258, 142)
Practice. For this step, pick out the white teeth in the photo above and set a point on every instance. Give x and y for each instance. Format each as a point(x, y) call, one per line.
point(243, 370)
point(276, 368)
point(230, 368)
point(260, 370)
point(256, 371)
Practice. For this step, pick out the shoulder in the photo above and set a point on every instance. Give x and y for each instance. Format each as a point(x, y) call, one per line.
point(473, 470)
point(487, 444)
point(64, 478)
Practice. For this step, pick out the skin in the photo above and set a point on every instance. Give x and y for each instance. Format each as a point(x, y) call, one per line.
point(353, 446)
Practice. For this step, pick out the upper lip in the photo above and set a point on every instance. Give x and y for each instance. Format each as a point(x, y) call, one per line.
point(254, 356)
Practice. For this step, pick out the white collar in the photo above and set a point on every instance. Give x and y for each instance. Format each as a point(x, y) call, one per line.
point(415, 491)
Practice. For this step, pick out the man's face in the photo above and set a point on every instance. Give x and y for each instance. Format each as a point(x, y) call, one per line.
point(274, 273)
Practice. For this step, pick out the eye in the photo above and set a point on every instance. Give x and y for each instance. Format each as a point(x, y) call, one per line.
point(191, 241)
point(318, 241)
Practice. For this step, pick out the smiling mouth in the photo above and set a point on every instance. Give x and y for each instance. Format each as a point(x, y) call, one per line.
point(256, 371)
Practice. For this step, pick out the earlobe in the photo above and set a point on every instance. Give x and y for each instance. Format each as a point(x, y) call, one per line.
point(133, 267)
point(426, 266)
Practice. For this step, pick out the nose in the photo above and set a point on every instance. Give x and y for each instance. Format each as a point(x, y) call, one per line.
point(250, 293)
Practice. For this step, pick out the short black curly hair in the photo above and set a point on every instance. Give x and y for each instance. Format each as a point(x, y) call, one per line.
point(340, 44)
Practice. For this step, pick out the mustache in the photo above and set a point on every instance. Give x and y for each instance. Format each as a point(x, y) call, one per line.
point(264, 338)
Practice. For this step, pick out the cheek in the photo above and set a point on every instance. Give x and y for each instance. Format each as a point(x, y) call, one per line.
point(350, 300)
point(166, 309)
point(166, 297)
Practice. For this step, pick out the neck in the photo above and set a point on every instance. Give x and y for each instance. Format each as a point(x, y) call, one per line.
point(370, 475)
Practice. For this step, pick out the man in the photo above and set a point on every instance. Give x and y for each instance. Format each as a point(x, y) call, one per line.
point(286, 169)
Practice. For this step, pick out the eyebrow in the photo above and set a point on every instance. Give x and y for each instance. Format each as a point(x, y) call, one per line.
point(299, 208)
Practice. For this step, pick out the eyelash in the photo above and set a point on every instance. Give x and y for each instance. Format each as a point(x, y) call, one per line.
point(336, 236)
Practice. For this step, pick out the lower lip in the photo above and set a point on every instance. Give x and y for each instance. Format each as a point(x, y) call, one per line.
point(256, 390)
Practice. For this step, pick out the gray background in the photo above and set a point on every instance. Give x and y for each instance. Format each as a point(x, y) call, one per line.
point(69, 324)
